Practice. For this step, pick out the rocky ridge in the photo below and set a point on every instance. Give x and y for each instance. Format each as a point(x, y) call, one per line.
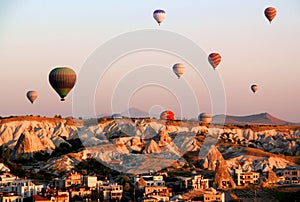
point(134, 140)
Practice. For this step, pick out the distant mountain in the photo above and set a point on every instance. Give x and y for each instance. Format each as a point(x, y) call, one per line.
point(260, 119)
point(135, 113)
point(103, 115)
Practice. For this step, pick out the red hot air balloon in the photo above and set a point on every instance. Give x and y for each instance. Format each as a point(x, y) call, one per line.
point(214, 59)
point(167, 115)
point(62, 80)
point(270, 13)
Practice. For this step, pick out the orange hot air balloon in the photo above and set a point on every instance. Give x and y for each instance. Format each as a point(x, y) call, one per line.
point(270, 13)
point(214, 59)
point(254, 88)
point(167, 115)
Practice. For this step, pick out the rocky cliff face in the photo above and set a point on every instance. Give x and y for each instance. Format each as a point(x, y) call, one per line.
point(280, 141)
point(45, 129)
point(139, 139)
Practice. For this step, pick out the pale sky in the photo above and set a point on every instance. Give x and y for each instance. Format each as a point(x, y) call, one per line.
point(36, 36)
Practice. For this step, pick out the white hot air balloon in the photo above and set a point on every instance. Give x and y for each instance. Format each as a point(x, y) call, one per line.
point(205, 117)
point(178, 69)
point(32, 96)
point(159, 15)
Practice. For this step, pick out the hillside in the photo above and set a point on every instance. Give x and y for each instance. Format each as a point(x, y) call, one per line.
point(257, 119)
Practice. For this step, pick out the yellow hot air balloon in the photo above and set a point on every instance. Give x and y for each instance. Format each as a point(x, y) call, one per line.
point(178, 69)
point(32, 95)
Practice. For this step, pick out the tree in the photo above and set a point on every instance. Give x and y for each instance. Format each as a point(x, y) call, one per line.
point(127, 187)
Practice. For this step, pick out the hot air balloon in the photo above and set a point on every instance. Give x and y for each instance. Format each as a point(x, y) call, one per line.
point(167, 115)
point(116, 116)
point(270, 13)
point(205, 117)
point(32, 95)
point(159, 15)
point(254, 88)
point(62, 80)
point(178, 69)
point(214, 59)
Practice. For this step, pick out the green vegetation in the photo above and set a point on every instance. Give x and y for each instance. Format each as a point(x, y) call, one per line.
point(285, 194)
point(72, 145)
point(94, 166)
point(16, 166)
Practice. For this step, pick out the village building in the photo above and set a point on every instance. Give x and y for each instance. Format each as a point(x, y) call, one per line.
point(292, 175)
point(60, 198)
point(38, 198)
point(152, 180)
point(245, 178)
point(194, 182)
point(80, 191)
point(111, 192)
point(161, 193)
point(20, 187)
point(70, 179)
point(11, 197)
point(89, 181)
point(211, 194)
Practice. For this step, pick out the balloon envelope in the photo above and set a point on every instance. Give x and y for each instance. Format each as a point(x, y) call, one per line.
point(62, 80)
point(270, 13)
point(254, 88)
point(117, 116)
point(159, 15)
point(167, 115)
point(205, 117)
point(214, 59)
point(178, 69)
point(32, 95)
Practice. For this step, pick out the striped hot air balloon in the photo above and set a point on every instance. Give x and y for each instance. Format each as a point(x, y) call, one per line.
point(167, 115)
point(270, 13)
point(32, 95)
point(178, 69)
point(214, 59)
point(62, 80)
point(254, 88)
point(205, 117)
point(159, 15)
